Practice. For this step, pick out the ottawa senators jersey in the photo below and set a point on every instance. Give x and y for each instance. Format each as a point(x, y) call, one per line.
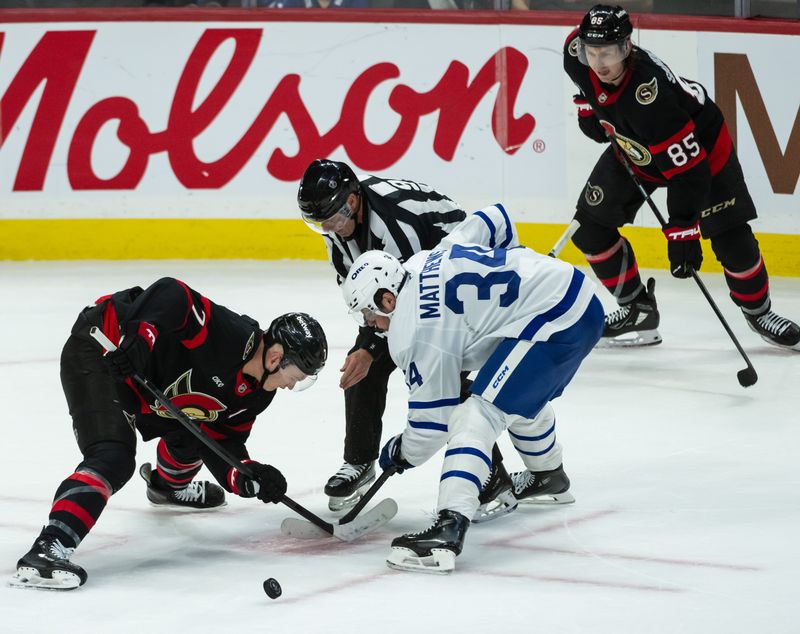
point(197, 352)
point(672, 132)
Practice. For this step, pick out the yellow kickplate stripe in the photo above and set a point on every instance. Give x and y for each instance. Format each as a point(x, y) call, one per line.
point(158, 239)
point(179, 238)
point(781, 252)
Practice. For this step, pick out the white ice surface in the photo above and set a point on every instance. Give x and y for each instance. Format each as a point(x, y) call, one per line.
point(688, 496)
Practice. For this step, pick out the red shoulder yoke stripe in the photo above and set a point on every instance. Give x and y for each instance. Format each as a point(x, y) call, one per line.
point(609, 98)
point(675, 138)
point(701, 156)
point(202, 319)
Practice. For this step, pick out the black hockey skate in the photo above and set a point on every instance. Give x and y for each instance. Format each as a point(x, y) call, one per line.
point(775, 329)
point(635, 323)
point(348, 484)
point(497, 496)
point(47, 565)
point(433, 550)
point(542, 487)
point(198, 494)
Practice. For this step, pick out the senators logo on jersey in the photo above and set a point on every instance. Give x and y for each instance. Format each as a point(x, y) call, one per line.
point(196, 405)
point(594, 195)
point(573, 47)
point(646, 93)
point(638, 153)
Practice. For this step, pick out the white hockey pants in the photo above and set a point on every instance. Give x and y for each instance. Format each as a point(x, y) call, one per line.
point(473, 429)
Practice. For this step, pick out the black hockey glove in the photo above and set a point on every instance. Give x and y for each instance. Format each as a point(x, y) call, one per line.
point(392, 456)
point(269, 485)
point(588, 121)
point(133, 351)
point(683, 249)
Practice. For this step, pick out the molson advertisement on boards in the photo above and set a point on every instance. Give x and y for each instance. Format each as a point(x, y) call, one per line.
point(207, 127)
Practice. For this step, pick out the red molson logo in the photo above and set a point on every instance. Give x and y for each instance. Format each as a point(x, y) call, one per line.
point(59, 56)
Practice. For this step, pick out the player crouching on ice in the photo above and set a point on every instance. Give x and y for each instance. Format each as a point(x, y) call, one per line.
point(522, 320)
point(217, 366)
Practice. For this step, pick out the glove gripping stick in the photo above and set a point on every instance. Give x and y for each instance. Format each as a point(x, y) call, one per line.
point(747, 376)
point(345, 533)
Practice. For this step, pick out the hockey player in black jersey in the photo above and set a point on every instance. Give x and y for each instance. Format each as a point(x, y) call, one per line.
point(354, 215)
point(218, 367)
point(674, 136)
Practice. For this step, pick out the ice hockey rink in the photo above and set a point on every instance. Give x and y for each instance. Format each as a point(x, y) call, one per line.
point(686, 519)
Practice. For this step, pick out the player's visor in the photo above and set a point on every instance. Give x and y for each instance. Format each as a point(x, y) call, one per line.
point(290, 369)
point(304, 384)
point(606, 55)
point(365, 316)
point(332, 224)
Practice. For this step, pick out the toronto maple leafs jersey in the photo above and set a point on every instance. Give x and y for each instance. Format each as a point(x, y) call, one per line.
point(197, 354)
point(670, 129)
point(457, 305)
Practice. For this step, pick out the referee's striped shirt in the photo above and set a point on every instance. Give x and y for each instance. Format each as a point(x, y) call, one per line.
point(401, 217)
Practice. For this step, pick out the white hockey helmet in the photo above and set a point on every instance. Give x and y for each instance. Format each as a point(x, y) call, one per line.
point(370, 275)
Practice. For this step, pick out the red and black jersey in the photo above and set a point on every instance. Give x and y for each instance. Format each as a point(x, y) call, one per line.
point(673, 133)
point(197, 352)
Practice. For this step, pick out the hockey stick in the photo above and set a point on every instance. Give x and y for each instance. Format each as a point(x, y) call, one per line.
point(303, 530)
point(565, 237)
point(351, 514)
point(746, 376)
point(233, 461)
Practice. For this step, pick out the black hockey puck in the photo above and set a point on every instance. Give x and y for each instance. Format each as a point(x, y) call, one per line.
point(272, 588)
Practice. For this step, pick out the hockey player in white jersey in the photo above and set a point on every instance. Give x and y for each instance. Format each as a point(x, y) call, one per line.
point(522, 320)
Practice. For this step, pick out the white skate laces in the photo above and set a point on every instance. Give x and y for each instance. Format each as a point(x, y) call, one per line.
point(195, 492)
point(57, 550)
point(774, 324)
point(350, 472)
point(522, 481)
point(618, 316)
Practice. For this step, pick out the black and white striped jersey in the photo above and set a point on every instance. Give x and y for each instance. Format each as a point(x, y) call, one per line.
point(401, 217)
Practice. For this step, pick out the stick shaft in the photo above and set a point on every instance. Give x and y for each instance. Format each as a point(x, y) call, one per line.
point(212, 444)
point(565, 237)
point(695, 276)
point(351, 514)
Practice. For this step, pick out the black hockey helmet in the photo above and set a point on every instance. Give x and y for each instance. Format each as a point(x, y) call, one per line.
point(605, 24)
point(303, 340)
point(324, 189)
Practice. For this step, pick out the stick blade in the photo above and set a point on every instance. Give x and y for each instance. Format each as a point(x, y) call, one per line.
point(747, 377)
point(301, 529)
point(365, 523)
